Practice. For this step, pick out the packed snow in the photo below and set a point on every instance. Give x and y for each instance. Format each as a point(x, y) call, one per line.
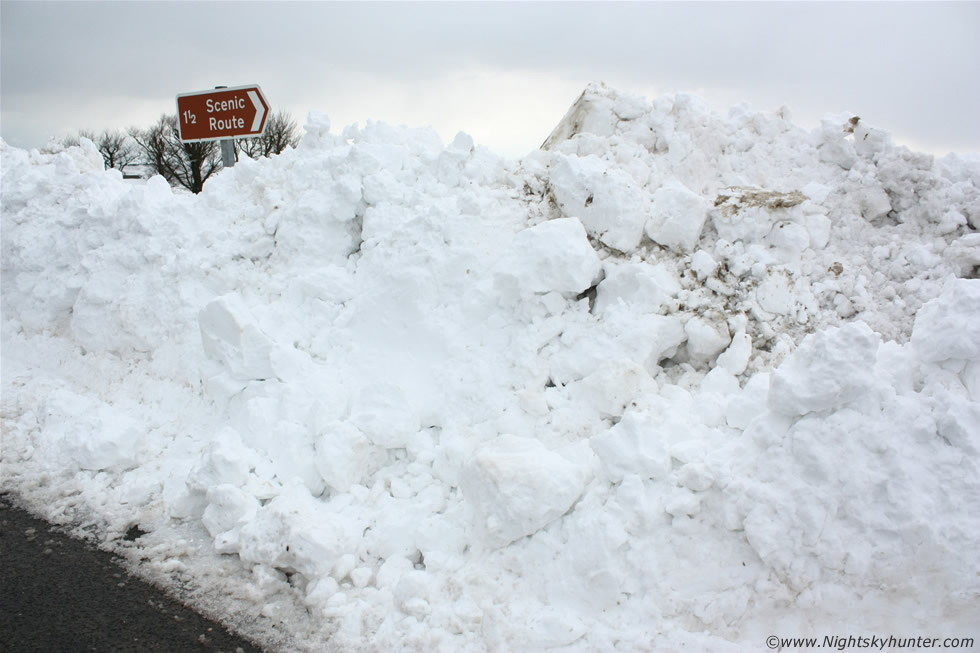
point(675, 380)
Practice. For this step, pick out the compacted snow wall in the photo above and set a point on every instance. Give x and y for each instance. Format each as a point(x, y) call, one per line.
point(675, 379)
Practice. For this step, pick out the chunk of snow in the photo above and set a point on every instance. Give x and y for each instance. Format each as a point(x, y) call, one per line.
point(633, 446)
point(609, 203)
point(677, 217)
point(703, 264)
point(644, 288)
point(828, 369)
point(554, 256)
point(231, 335)
point(948, 327)
point(516, 487)
point(89, 433)
point(736, 357)
point(706, 338)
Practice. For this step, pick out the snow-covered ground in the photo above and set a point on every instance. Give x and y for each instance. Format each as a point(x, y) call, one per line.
point(677, 379)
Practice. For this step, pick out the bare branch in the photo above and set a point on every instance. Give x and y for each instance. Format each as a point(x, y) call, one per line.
point(182, 164)
point(280, 133)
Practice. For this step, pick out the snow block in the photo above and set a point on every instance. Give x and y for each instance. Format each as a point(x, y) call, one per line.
point(643, 287)
point(516, 487)
point(611, 388)
point(736, 358)
point(703, 264)
point(90, 433)
point(231, 335)
point(706, 338)
point(229, 507)
point(874, 203)
point(789, 237)
point(608, 201)
point(554, 256)
point(832, 146)
point(295, 531)
point(592, 113)
point(633, 446)
point(775, 293)
point(645, 339)
point(317, 126)
point(677, 217)
point(963, 254)
point(829, 369)
point(225, 460)
point(948, 327)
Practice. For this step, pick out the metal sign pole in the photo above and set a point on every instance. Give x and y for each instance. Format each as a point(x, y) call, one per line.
point(227, 148)
point(228, 152)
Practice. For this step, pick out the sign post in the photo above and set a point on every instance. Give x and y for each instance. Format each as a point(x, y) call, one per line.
point(227, 148)
point(228, 152)
point(222, 114)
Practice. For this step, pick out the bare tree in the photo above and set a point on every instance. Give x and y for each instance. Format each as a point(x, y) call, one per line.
point(280, 133)
point(117, 148)
point(182, 164)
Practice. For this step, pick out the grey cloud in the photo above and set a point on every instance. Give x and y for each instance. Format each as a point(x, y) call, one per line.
point(908, 61)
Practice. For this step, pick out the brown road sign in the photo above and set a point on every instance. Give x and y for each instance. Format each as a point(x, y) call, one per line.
point(238, 112)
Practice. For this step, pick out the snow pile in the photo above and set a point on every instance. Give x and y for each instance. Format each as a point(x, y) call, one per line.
point(676, 379)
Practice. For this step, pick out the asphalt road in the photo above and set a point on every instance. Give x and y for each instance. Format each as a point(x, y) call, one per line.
point(62, 595)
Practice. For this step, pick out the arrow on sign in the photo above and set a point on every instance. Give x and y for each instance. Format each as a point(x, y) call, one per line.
point(239, 112)
point(259, 111)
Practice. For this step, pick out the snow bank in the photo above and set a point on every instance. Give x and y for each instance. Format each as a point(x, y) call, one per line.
point(675, 380)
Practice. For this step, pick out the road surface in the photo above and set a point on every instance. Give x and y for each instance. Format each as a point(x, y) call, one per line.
point(62, 595)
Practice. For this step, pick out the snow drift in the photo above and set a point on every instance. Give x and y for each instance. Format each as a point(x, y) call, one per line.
point(675, 379)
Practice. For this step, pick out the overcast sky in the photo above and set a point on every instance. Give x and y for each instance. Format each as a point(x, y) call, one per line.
point(503, 72)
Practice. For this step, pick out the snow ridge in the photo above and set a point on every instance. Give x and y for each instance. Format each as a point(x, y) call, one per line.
point(675, 379)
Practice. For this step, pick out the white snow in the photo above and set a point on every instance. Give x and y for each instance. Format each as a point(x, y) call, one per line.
point(516, 487)
point(677, 217)
point(946, 328)
point(554, 256)
point(676, 380)
point(828, 370)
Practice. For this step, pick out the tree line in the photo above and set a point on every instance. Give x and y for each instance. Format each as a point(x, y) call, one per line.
point(186, 165)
